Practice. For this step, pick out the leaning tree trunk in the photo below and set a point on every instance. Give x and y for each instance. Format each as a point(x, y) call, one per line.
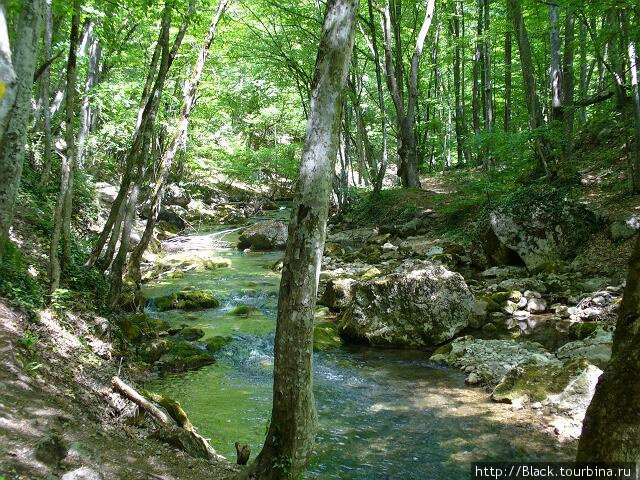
point(633, 70)
point(86, 111)
point(290, 438)
point(542, 149)
point(555, 75)
point(7, 74)
point(62, 212)
point(188, 101)
point(14, 135)
point(611, 428)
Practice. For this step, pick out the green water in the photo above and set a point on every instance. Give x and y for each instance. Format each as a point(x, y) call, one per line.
point(383, 414)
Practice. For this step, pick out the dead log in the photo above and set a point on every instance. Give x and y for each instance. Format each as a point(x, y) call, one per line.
point(182, 437)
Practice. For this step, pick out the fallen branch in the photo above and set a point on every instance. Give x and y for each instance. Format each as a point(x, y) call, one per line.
point(181, 436)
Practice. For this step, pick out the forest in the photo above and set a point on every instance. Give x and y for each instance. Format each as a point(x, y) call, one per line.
point(319, 239)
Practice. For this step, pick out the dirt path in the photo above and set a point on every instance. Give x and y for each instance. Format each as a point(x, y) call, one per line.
point(57, 413)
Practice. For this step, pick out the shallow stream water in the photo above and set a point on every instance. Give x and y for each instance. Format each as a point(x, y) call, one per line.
point(383, 414)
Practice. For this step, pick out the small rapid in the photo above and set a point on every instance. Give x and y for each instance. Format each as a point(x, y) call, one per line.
point(383, 414)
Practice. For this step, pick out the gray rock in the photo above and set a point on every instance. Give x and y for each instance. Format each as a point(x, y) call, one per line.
point(422, 305)
point(338, 293)
point(536, 305)
point(82, 473)
point(269, 235)
point(596, 348)
point(624, 229)
point(356, 237)
point(176, 195)
point(107, 193)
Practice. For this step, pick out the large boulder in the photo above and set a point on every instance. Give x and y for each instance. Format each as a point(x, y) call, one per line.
point(355, 237)
point(176, 195)
point(540, 225)
point(269, 235)
point(422, 305)
point(337, 293)
point(106, 193)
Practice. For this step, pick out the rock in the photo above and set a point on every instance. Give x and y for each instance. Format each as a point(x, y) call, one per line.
point(245, 311)
point(354, 238)
point(338, 293)
point(596, 348)
point(540, 225)
point(576, 396)
point(182, 356)
point(389, 247)
point(173, 216)
point(217, 343)
point(179, 263)
point(325, 336)
point(51, 449)
point(490, 360)
point(187, 300)
point(269, 235)
point(191, 333)
point(82, 473)
point(176, 195)
point(422, 305)
point(536, 305)
point(624, 229)
point(472, 379)
point(371, 273)
point(107, 193)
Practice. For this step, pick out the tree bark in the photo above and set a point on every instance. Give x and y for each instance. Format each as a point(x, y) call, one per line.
point(611, 428)
point(633, 69)
point(86, 111)
point(555, 75)
point(507, 75)
point(459, 115)
point(290, 438)
point(62, 212)
point(188, 101)
point(13, 140)
point(488, 87)
point(45, 85)
point(584, 85)
point(542, 149)
point(7, 74)
point(568, 82)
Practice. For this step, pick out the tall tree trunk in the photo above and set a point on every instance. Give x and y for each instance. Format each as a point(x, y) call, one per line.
point(633, 68)
point(456, 86)
point(382, 170)
point(146, 120)
point(477, 71)
point(86, 111)
point(507, 75)
point(542, 149)
point(14, 128)
point(45, 85)
point(584, 84)
point(616, 57)
point(7, 74)
point(568, 82)
point(555, 75)
point(62, 213)
point(290, 438)
point(611, 427)
point(488, 86)
point(188, 101)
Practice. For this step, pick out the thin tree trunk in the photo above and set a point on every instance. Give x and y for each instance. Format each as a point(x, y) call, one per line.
point(290, 438)
point(568, 82)
point(456, 87)
point(382, 170)
point(488, 85)
point(477, 70)
point(14, 128)
point(555, 75)
point(62, 213)
point(533, 104)
point(507, 75)
point(611, 428)
point(86, 111)
point(584, 84)
point(188, 101)
point(45, 83)
point(633, 68)
point(107, 258)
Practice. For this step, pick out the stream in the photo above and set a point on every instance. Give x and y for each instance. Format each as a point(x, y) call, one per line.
point(383, 414)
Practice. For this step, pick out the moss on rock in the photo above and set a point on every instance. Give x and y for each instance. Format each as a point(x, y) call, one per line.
point(182, 356)
point(325, 336)
point(217, 343)
point(245, 310)
point(187, 300)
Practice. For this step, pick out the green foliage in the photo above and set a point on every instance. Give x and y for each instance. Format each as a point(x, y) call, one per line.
point(17, 281)
point(390, 206)
point(263, 165)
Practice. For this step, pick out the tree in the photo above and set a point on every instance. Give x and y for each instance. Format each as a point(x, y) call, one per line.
point(290, 438)
point(62, 213)
point(14, 134)
point(611, 428)
point(405, 118)
point(7, 74)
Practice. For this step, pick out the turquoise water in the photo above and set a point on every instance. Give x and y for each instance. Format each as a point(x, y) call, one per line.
point(383, 414)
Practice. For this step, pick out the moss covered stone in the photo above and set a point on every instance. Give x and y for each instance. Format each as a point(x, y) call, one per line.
point(138, 327)
point(182, 356)
point(187, 300)
point(325, 336)
point(217, 343)
point(245, 311)
point(191, 333)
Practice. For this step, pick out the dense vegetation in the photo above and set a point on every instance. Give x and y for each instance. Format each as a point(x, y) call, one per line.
point(125, 123)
